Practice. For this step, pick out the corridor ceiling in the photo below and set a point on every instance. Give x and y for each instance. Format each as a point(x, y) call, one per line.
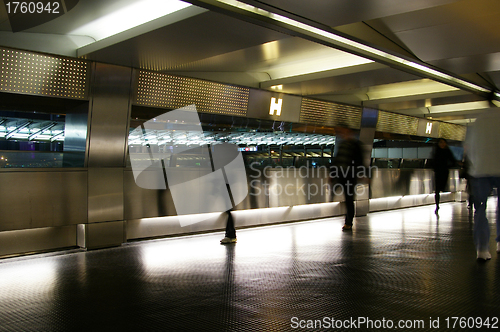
point(438, 59)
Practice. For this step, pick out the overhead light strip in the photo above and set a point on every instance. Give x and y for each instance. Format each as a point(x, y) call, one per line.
point(355, 46)
point(132, 14)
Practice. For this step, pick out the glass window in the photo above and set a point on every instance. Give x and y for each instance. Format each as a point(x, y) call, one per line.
point(42, 132)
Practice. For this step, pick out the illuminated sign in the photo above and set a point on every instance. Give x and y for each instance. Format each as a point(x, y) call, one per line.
point(273, 106)
point(428, 128)
point(247, 149)
point(276, 106)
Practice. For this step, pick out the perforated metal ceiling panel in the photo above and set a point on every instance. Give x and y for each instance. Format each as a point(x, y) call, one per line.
point(38, 74)
point(397, 123)
point(329, 114)
point(452, 131)
point(167, 91)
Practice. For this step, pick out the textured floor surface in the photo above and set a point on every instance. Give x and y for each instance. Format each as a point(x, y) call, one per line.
point(401, 267)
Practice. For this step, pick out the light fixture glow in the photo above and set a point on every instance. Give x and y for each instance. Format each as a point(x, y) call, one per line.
point(474, 105)
point(355, 46)
point(128, 17)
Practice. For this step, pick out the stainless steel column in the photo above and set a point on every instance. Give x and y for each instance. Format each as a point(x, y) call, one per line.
point(107, 146)
point(75, 136)
point(366, 135)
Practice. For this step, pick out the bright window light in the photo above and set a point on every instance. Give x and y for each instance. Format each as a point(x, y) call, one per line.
point(138, 13)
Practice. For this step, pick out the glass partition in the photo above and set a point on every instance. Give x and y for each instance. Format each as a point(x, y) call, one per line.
point(42, 132)
point(263, 143)
point(409, 152)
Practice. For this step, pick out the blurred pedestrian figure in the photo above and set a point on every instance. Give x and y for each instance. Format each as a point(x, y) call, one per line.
point(465, 174)
point(483, 140)
point(224, 158)
point(346, 169)
point(443, 161)
point(230, 234)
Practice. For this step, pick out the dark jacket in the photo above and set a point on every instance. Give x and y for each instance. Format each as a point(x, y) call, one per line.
point(349, 158)
point(443, 160)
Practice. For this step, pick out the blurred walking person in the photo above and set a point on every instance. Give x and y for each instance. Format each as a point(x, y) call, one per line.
point(346, 169)
point(443, 161)
point(484, 154)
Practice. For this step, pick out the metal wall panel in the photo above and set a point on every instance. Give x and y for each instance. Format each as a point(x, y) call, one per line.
point(403, 182)
point(147, 203)
point(38, 239)
point(154, 227)
point(258, 194)
point(104, 234)
point(75, 136)
point(75, 129)
point(34, 199)
point(281, 187)
point(298, 186)
point(142, 203)
point(399, 202)
point(266, 188)
point(109, 115)
point(389, 189)
point(163, 226)
point(105, 194)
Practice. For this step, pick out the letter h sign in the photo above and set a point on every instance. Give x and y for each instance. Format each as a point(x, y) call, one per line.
point(276, 106)
point(428, 128)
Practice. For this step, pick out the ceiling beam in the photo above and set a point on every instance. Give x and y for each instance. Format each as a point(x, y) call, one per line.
point(298, 26)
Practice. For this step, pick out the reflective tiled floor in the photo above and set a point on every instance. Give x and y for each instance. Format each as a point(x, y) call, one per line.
point(397, 265)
